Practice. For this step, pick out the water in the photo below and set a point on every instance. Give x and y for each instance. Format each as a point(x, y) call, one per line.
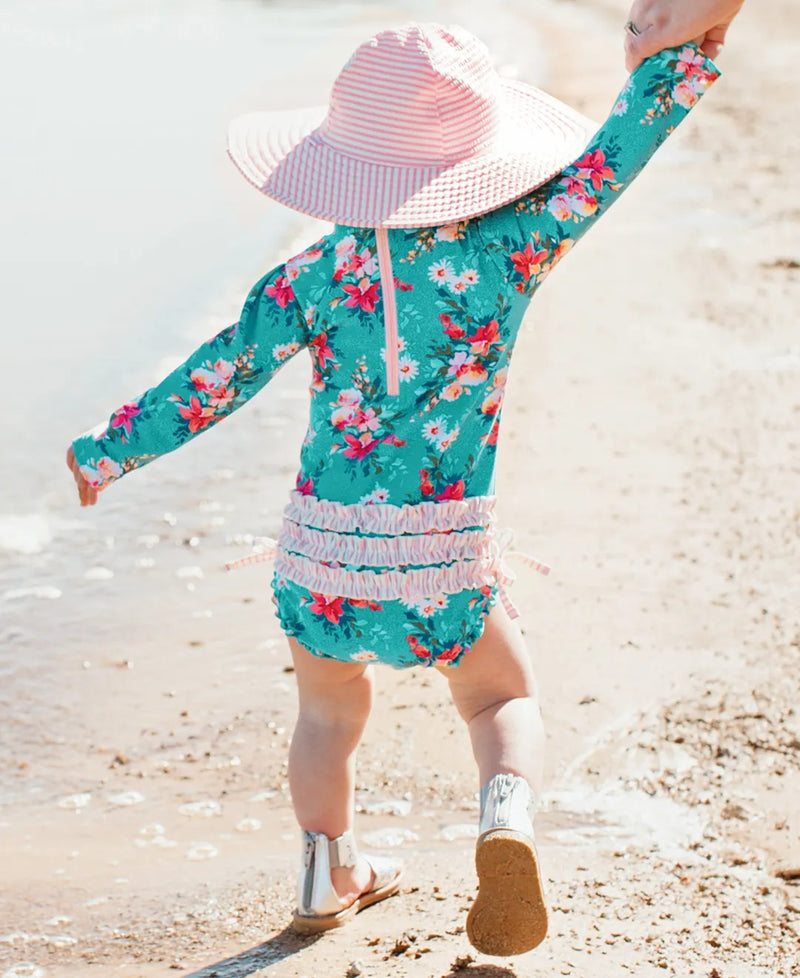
point(126, 238)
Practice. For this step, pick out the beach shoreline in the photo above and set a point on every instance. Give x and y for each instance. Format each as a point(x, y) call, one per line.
point(649, 454)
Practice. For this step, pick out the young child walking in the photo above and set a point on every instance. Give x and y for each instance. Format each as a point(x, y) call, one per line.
point(454, 193)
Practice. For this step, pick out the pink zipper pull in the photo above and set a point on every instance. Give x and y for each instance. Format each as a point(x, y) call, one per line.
point(389, 312)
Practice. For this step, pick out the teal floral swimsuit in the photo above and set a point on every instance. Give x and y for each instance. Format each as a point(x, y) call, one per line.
point(388, 550)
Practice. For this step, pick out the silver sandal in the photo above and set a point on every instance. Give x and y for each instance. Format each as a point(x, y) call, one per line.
point(509, 914)
point(319, 907)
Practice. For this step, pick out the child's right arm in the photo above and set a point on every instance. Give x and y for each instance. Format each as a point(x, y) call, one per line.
point(212, 383)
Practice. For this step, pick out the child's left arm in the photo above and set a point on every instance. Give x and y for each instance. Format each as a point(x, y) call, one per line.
point(531, 234)
point(219, 377)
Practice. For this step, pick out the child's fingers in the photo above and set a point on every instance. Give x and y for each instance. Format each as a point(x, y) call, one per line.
point(86, 493)
point(714, 40)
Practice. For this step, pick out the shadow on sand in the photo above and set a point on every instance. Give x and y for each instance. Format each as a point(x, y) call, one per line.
point(250, 962)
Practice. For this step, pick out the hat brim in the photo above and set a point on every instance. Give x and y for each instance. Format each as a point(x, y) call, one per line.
point(285, 156)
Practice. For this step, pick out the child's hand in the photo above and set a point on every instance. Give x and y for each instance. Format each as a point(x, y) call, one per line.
point(87, 494)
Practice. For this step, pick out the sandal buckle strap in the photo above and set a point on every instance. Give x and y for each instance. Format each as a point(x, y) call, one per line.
point(343, 851)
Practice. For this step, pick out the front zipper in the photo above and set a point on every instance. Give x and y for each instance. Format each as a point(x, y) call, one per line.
point(389, 312)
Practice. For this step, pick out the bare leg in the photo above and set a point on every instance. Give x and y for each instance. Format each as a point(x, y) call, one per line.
point(334, 700)
point(495, 693)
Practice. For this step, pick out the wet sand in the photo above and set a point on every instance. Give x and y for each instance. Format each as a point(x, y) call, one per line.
point(649, 454)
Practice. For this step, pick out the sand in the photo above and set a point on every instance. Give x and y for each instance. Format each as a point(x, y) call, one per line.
point(650, 454)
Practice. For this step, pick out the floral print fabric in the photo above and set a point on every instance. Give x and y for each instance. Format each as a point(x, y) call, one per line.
point(461, 293)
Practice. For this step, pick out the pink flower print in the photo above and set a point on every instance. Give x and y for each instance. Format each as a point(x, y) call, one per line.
point(592, 167)
point(327, 606)
point(346, 407)
point(304, 486)
point(367, 420)
point(454, 491)
point(365, 263)
point(309, 314)
point(583, 205)
point(221, 397)
point(124, 416)
point(345, 246)
point(449, 655)
point(300, 262)
point(527, 262)
point(573, 185)
point(472, 374)
point(403, 286)
point(685, 94)
point(690, 63)
point(486, 336)
point(108, 468)
point(459, 363)
point(282, 291)
point(360, 447)
point(321, 350)
point(198, 416)
point(452, 392)
point(560, 207)
point(364, 295)
point(469, 276)
point(450, 232)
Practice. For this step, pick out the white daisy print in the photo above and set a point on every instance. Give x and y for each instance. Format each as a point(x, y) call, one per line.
point(408, 368)
point(441, 271)
point(434, 430)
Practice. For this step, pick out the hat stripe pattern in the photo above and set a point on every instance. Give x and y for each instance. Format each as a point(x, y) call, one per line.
point(420, 131)
point(446, 114)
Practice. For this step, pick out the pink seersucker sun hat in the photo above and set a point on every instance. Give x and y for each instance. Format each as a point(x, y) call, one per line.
point(420, 131)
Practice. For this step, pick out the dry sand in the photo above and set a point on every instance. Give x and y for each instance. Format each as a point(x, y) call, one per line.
point(651, 455)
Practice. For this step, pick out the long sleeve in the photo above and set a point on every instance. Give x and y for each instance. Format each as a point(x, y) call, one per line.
point(530, 235)
point(219, 377)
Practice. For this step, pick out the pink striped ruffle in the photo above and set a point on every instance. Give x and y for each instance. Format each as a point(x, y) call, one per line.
point(429, 517)
point(384, 551)
point(393, 585)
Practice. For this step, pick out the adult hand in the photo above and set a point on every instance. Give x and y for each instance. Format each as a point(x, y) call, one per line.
point(667, 23)
point(88, 495)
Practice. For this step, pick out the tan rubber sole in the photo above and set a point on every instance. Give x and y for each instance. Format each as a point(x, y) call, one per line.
point(322, 922)
point(509, 915)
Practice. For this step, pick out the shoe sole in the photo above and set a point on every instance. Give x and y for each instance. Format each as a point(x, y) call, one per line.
point(509, 915)
point(321, 922)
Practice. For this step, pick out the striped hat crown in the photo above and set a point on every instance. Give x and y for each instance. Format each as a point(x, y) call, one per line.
point(420, 130)
point(429, 93)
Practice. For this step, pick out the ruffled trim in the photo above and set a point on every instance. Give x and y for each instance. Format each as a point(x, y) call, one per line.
point(391, 585)
point(384, 551)
point(427, 517)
